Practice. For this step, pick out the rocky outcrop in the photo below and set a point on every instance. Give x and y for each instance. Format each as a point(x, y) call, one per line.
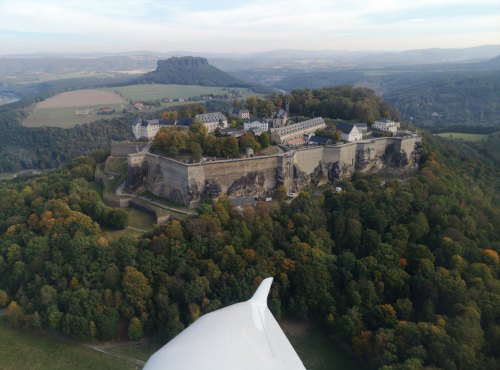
point(394, 157)
point(417, 152)
point(339, 170)
point(212, 190)
point(189, 71)
point(300, 178)
point(136, 177)
point(251, 184)
point(320, 174)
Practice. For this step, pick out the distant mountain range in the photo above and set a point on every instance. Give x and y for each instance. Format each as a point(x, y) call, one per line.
point(189, 71)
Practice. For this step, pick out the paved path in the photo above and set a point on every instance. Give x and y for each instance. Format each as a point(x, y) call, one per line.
point(3, 312)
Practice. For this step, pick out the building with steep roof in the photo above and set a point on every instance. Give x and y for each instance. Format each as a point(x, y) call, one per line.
point(146, 128)
point(240, 113)
point(281, 135)
point(212, 120)
point(349, 132)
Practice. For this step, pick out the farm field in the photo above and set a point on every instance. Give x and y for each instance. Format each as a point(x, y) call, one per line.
point(65, 117)
point(149, 92)
point(81, 98)
point(61, 110)
point(462, 136)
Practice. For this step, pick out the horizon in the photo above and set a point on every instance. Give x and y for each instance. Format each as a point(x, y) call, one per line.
point(182, 53)
point(244, 27)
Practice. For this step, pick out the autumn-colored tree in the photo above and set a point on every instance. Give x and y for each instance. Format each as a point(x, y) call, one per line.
point(135, 331)
point(137, 288)
point(15, 314)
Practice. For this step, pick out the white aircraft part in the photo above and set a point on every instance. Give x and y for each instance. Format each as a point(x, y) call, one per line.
point(243, 336)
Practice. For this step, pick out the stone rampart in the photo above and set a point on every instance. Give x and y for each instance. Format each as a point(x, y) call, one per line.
point(190, 184)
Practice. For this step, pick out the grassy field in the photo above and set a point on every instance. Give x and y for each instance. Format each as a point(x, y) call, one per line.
point(462, 136)
point(34, 351)
point(61, 110)
point(148, 92)
point(65, 117)
point(316, 350)
point(137, 220)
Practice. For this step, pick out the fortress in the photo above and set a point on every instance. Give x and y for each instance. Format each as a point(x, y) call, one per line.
point(190, 184)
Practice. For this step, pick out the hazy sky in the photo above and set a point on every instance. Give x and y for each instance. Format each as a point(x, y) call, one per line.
point(244, 26)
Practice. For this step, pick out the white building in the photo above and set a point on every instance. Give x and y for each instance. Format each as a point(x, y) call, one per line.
point(281, 135)
point(264, 126)
point(386, 125)
point(146, 128)
point(212, 120)
point(240, 113)
point(349, 132)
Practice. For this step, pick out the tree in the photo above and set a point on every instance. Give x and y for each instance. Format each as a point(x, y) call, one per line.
point(196, 152)
point(4, 298)
point(136, 287)
point(15, 314)
point(264, 140)
point(135, 329)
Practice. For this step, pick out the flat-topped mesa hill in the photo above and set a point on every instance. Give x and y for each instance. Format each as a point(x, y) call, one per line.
point(190, 71)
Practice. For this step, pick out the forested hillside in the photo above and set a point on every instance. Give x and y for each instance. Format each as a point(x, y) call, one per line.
point(451, 99)
point(404, 272)
point(345, 102)
point(48, 147)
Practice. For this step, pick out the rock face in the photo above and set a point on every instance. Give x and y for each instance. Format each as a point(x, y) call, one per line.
point(300, 178)
point(136, 177)
point(189, 71)
point(212, 190)
point(251, 184)
point(339, 170)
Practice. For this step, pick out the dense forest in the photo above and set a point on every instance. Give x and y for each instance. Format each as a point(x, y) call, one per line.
point(48, 147)
point(450, 99)
point(345, 102)
point(404, 272)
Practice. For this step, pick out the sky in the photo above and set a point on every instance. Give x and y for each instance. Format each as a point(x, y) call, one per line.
point(238, 26)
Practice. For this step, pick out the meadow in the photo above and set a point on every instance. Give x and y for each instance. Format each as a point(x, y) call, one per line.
point(38, 350)
point(65, 117)
point(463, 136)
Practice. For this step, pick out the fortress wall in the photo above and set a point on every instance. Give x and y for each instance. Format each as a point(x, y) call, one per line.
point(331, 154)
point(348, 153)
point(186, 183)
point(408, 144)
point(225, 173)
point(381, 143)
point(308, 159)
point(168, 178)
